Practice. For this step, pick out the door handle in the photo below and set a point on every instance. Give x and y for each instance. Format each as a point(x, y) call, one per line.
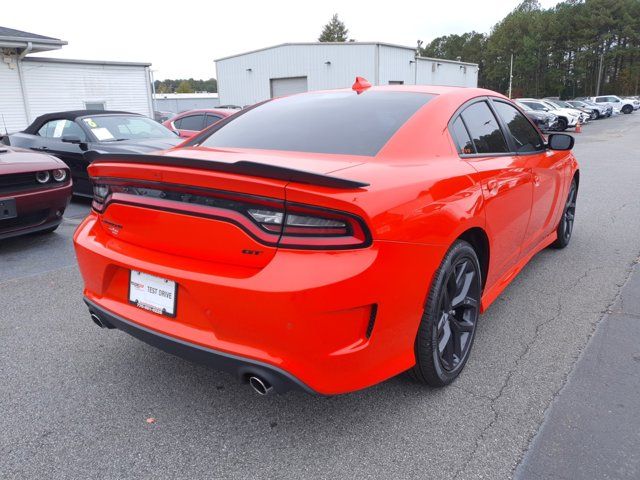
point(492, 185)
point(536, 180)
point(41, 148)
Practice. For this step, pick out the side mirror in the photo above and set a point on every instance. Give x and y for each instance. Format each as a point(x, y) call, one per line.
point(560, 141)
point(545, 109)
point(71, 139)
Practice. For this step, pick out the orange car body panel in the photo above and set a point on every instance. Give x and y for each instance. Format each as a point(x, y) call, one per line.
point(307, 311)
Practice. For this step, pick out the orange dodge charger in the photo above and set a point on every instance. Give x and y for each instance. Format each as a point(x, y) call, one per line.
point(329, 240)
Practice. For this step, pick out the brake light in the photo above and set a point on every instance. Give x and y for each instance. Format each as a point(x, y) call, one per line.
point(270, 221)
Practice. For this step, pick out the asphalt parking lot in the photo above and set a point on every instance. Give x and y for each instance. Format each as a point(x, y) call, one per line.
point(81, 402)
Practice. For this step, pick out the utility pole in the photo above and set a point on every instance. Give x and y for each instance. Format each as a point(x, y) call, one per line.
point(511, 75)
point(417, 56)
point(599, 74)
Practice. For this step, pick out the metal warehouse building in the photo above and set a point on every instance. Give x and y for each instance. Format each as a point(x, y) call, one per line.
point(32, 86)
point(288, 68)
point(181, 102)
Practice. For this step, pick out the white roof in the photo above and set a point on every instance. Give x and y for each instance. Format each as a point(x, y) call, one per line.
point(177, 96)
point(394, 45)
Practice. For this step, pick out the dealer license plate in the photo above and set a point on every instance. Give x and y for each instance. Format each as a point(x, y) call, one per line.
point(152, 293)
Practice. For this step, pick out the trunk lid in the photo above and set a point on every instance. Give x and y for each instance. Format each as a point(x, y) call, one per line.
point(172, 207)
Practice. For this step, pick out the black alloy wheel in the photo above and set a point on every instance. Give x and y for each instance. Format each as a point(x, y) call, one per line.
point(565, 227)
point(448, 326)
point(562, 124)
point(593, 115)
point(627, 109)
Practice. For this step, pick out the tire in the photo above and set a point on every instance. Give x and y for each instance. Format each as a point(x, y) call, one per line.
point(565, 227)
point(562, 124)
point(593, 115)
point(627, 109)
point(447, 329)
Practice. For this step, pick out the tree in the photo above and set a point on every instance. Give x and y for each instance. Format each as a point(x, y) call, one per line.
point(188, 85)
point(184, 87)
point(334, 31)
point(556, 51)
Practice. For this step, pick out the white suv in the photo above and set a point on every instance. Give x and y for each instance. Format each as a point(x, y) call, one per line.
point(618, 104)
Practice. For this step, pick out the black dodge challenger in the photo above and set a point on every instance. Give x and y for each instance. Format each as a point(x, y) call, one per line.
point(69, 135)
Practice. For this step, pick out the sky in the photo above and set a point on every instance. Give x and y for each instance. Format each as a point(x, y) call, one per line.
point(183, 40)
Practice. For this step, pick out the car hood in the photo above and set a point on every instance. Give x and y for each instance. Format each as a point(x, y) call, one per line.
point(20, 160)
point(565, 112)
point(137, 146)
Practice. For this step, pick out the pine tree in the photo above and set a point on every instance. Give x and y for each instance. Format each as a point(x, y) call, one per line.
point(334, 31)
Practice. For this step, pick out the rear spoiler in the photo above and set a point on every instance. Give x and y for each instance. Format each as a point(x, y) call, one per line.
point(242, 167)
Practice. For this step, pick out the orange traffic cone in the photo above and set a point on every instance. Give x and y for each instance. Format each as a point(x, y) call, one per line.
point(578, 127)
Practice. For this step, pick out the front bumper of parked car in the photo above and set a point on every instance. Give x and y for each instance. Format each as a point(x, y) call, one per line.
point(37, 209)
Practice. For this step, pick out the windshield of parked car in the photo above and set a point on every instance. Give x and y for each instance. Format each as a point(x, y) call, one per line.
point(333, 122)
point(111, 128)
point(534, 105)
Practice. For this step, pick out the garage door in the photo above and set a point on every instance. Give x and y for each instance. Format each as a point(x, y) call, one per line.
point(288, 86)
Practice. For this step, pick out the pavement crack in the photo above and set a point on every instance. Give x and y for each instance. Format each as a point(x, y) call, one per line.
point(494, 399)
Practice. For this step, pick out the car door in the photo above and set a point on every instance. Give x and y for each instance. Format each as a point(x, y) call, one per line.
point(505, 179)
point(64, 139)
point(189, 125)
point(548, 170)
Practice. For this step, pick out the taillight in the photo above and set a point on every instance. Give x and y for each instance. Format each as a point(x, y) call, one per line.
point(270, 221)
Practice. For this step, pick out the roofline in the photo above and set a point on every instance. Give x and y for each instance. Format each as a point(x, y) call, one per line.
point(386, 44)
point(36, 46)
point(445, 60)
point(287, 44)
point(85, 62)
point(25, 40)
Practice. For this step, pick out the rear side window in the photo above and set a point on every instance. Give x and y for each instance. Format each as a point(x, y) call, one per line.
point(211, 119)
point(524, 135)
point(192, 122)
point(484, 129)
point(61, 128)
point(334, 122)
point(461, 137)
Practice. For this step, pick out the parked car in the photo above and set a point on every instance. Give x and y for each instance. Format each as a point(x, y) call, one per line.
point(191, 122)
point(565, 119)
point(565, 107)
point(619, 105)
point(69, 135)
point(634, 101)
point(161, 116)
point(600, 110)
point(545, 121)
point(270, 244)
point(35, 190)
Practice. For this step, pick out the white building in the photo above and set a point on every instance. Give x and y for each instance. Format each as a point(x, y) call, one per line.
point(181, 102)
point(288, 68)
point(31, 86)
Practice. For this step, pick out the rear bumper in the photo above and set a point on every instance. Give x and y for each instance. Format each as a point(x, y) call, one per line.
point(36, 210)
point(334, 322)
point(241, 368)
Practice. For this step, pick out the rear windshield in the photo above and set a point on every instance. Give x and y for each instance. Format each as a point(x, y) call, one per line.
point(335, 122)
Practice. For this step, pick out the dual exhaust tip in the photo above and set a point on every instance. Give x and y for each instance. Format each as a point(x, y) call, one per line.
point(259, 385)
